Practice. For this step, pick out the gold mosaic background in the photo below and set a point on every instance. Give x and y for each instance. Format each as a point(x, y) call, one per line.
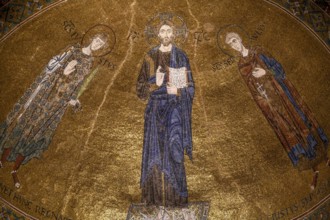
point(92, 167)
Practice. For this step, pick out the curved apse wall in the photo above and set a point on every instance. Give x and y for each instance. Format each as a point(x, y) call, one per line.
point(90, 165)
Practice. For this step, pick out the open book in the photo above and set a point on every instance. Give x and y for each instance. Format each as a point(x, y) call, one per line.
point(178, 77)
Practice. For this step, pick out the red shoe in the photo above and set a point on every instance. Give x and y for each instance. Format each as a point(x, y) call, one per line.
point(16, 180)
point(315, 177)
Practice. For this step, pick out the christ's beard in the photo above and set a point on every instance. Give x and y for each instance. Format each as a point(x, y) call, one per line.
point(166, 41)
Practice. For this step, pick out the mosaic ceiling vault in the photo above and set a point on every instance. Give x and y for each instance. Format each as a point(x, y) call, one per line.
point(164, 110)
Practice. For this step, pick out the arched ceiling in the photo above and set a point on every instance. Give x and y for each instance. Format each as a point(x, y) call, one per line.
point(92, 167)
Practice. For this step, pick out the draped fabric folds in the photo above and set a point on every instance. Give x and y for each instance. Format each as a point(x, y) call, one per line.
point(167, 129)
point(29, 127)
point(287, 113)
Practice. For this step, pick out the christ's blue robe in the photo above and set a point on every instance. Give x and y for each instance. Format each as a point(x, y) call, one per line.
point(167, 128)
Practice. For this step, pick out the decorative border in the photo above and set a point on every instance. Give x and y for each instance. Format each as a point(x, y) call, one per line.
point(8, 210)
point(15, 14)
point(318, 210)
point(4, 2)
point(310, 15)
point(324, 5)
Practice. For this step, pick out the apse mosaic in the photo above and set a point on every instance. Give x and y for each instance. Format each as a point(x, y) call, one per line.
point(187, 110)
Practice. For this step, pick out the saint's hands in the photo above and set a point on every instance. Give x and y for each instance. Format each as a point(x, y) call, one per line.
point(70, 67)
point(258, 72)
point(171, 89)
point(75, 103)
point(159, 76)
